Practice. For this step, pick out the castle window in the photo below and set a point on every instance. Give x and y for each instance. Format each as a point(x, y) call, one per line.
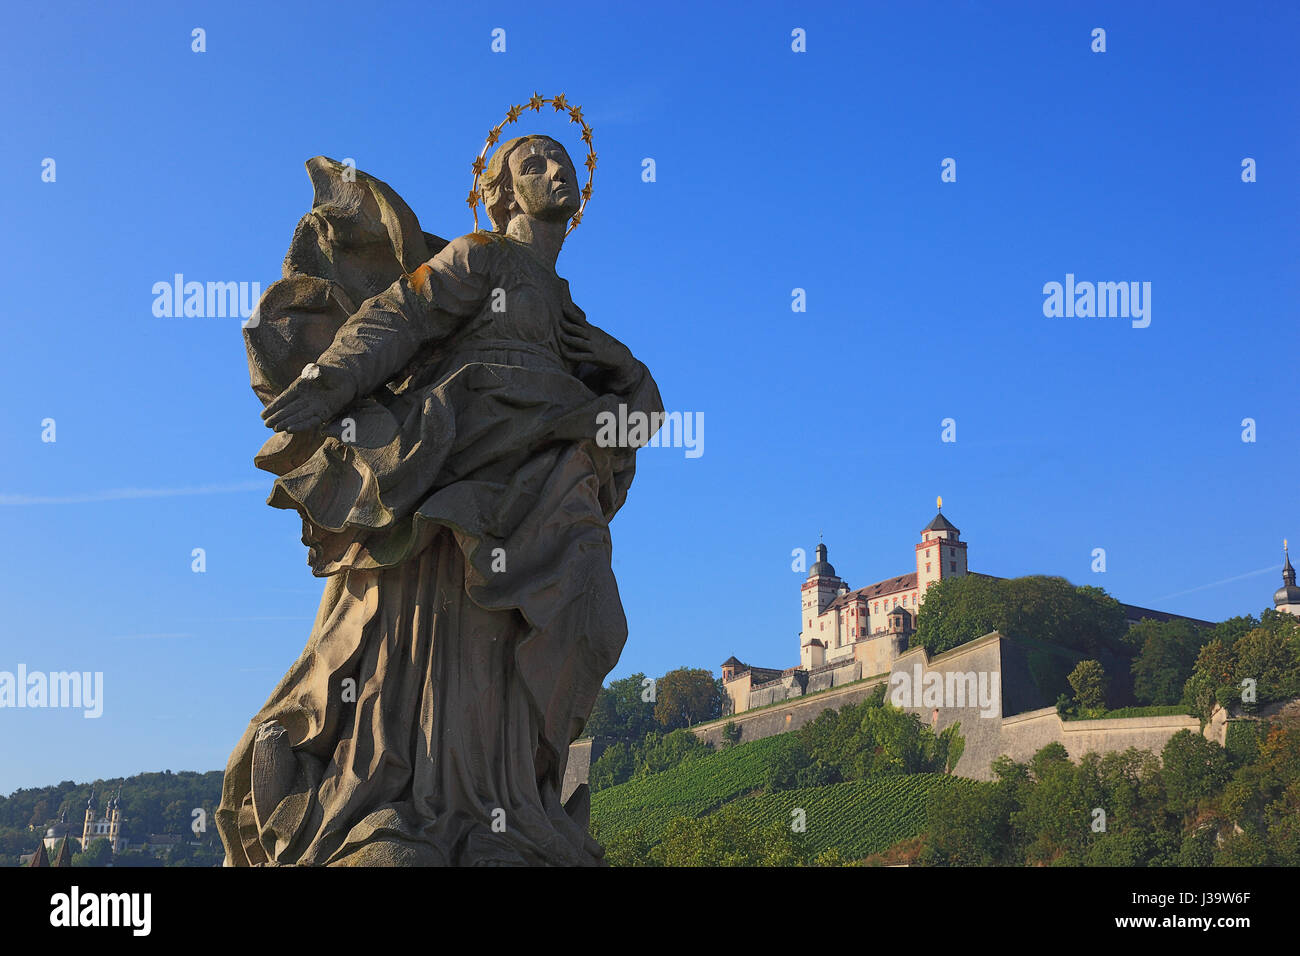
point(952, 565)
point(927, 567)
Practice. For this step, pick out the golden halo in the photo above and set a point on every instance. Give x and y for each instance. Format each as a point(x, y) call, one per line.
point(535, 103)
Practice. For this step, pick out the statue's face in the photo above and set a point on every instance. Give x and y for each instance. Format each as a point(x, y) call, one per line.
point(545, 182)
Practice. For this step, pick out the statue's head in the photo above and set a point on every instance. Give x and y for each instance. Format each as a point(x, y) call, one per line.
point(533, 176)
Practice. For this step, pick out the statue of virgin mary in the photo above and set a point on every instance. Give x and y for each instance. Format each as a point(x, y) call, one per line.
point(435, 407)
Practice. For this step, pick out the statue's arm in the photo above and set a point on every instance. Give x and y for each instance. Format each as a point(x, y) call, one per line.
point(383, 335)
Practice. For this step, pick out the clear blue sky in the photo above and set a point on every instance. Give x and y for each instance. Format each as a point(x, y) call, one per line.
point(775, 170)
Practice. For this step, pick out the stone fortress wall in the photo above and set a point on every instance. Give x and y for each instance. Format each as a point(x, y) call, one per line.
point(987, 736)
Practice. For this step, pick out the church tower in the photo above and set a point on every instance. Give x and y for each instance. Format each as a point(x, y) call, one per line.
point(89, 826)
point(1287, 598)
point(115, 821)
point(941, 553)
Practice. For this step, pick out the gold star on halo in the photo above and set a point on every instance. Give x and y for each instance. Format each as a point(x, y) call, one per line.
point(577, 217)
point(536, 101)
point(494, 135)
point(575, 114)
point(586, 192)
point(591, 162)
point(513, 113)
point(560, 103)
point(473, 198)
point(478, 166)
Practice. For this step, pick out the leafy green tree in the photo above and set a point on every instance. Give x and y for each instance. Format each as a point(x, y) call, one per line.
point(660, 752)
point(1089, 682)
point(969, 827)
point(623, 710)
point(99, 853)
point(728, 838)
point(1211, 680)
point(1270, 655)
point(1167, 656)
point(616, 765)
point(687, 696)
point(960, 609)
point(1194, 770)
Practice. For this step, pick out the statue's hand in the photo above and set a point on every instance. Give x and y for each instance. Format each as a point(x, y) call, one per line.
point(320, 393)
point(583, 342)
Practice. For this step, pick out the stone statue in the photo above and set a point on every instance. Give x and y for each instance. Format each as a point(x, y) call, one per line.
point(435, 411)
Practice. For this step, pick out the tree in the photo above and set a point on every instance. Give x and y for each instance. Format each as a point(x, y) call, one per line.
point(40, 814)
point(624, 710)
point(99, 853)
point(961, 609)
point(1270, 655)
point(660, 752)
point(616, 765)
point(728, 838)
point(1193, 770)
point(1211, 678)
point(1167, 657)
point(687, 696)
point(969, 827)
point(1089, 682)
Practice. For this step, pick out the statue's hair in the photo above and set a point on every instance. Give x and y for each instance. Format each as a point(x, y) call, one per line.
point(497, 181)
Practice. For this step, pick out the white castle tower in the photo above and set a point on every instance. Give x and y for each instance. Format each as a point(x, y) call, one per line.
point(940, 554)
point(822, 586)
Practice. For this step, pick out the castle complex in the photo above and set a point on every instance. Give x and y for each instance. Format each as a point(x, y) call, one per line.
point(848, 635)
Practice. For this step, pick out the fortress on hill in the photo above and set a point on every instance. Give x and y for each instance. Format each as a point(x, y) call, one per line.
point(848, 635)
point(852, 641)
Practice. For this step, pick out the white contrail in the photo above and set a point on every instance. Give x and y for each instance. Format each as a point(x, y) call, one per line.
point(126, 494)
point(1249, 574)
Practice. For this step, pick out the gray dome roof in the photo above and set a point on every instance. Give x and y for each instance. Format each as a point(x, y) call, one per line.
point(822, 566)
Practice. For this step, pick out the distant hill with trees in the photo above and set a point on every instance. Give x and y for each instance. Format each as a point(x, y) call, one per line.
point(151, 804)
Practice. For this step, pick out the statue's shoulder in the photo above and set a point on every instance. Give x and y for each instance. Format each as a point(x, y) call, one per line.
point(477, 247)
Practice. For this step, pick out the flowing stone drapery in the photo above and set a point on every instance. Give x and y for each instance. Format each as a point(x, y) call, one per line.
point(459, 512)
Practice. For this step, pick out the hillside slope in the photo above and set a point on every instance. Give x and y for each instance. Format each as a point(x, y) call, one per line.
point(857, 818)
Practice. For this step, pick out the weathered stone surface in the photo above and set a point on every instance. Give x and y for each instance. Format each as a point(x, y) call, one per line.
point(435, 407)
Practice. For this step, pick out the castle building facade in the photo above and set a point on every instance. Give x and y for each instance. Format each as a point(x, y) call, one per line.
point(850, 634)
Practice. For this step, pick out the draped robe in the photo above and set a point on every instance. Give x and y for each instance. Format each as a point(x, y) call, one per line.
point(459, 512)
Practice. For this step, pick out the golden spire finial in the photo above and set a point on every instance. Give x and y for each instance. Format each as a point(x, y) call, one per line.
point(939, 501)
